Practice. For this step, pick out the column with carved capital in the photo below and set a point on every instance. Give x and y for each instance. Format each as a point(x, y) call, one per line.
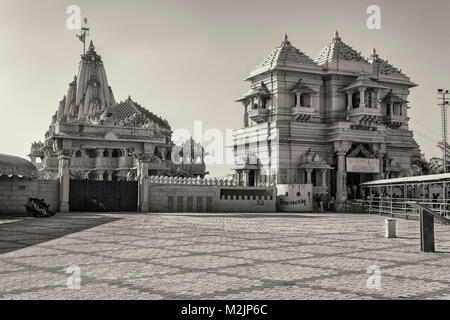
point(349, 100)
point(245, 178)
point(362, 97)
point(380, 156)
point(143, 194)
point(246, 103)
point(341, 148)
point(64, 180)
point(308, 176)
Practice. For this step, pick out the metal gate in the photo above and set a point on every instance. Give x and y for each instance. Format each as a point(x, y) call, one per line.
point(112, 196)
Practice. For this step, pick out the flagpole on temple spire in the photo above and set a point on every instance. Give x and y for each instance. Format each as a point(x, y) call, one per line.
point(84, 33)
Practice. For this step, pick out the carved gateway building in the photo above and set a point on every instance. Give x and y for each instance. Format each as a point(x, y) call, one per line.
point(334, 121)
point(99, 139)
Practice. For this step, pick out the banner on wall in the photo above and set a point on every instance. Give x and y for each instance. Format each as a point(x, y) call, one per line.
point(363, 165)
point(295, 197)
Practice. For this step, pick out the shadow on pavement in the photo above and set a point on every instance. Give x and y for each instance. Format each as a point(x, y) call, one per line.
point(29, 231)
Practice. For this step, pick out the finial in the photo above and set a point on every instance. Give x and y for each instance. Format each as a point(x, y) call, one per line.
point(336, 35)
point(285, 37)
point(129, 97)
point(91, 46)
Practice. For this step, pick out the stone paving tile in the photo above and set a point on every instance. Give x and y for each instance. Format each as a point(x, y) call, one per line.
point(194, 284)
point(268, 255)
point(219, 256)
point(125, 270)
point(201, 261)
point(288, 293)
point(278, 272)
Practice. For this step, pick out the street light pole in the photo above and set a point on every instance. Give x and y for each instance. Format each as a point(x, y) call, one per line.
point(444, 104)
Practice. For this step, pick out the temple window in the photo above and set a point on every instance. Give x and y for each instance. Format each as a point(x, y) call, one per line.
point(369, 98)
point(115, 153)
point(305, 100)
point(115, 176)
point(78, 154)
point(105, 175)
point(263, 103)
point(106, 153)
point(355, 100)
point(91, 153)
point(168, 155)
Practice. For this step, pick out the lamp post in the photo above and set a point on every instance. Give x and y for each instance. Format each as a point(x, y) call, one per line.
point(443, 96)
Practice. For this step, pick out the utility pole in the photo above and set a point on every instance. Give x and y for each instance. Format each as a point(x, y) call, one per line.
point(443, 98)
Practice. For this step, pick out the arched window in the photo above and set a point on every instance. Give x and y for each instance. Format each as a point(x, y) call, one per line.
point(106, 153)
point(105, 175)
point(168, 155)
point(78, 154)
point(115, 153)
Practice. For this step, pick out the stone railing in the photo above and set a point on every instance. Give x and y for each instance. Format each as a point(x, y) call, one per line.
point(191, 181)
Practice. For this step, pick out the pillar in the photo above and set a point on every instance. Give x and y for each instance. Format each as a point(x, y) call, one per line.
point(245, 178)
point(64, 180)
point(349, 101)
point(377, 103)
point(362, 98)
point(324, 177)
point(143, 194)
point(299, 99)
point(246, 103)
point(308, 176)
point(341, 178)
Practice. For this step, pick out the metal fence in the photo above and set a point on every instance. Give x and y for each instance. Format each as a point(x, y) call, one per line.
point(400, 208)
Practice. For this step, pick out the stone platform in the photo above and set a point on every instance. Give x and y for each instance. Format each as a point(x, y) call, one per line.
point(219, 256)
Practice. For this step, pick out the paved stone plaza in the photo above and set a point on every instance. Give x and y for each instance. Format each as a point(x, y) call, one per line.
point(229, 256)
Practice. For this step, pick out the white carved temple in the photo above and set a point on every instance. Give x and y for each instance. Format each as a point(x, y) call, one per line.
point(334, 121)
point(101, 139)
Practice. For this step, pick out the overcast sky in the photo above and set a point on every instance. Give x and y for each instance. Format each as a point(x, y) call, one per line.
point(185, 60)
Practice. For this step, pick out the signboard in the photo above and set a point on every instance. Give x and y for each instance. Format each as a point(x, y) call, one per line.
point(363, 165)
point(294, 197)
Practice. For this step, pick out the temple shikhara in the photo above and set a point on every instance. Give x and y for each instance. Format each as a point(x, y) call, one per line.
point(97, 138)
point(334, 121)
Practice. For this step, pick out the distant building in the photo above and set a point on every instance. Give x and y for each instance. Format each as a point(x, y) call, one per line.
point(105, 140)
point(334, 121)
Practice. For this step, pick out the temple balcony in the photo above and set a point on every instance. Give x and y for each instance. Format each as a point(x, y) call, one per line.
point(394, 121)
point(303, 114)
point(259, 115)
point(364, 115)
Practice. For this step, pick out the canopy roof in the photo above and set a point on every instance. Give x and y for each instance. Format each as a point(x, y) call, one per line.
point(409, 180)
point(16, 166)
point(364, 81)
point(285, 56)
point(338, 50)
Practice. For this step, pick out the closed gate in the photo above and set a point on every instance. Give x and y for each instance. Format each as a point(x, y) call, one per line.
point(112, 196)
